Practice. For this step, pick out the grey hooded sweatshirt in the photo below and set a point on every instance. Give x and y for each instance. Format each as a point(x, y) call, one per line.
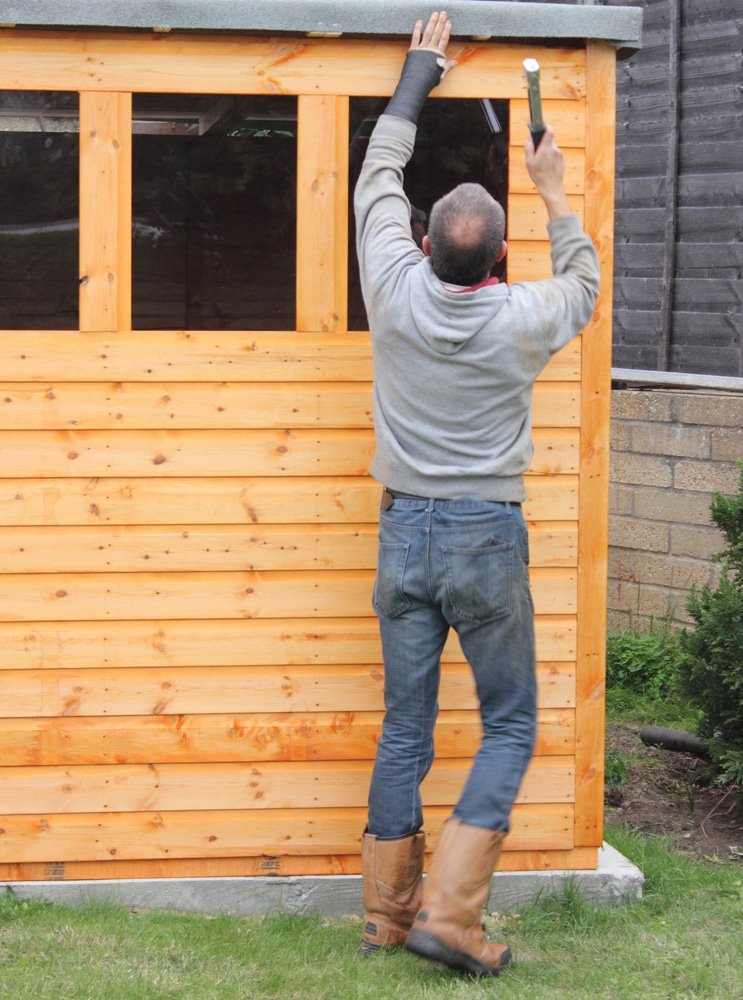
point(454, 370)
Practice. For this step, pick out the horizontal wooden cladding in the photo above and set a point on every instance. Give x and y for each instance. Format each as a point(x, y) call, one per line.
point(566, 118)
point(272, 594)
point(575, 859)
point(227, 642)
point(223, 405)
point(519, 181)
point(186, 453)
point(298, 785)
point(223, 738)
point(193, 690)
point(527, 216)
point(208, 453)
point(222, 64)
point(237, 833)
point(97, 549)
point(527, 260)
point(207, 356)
point(230, 500)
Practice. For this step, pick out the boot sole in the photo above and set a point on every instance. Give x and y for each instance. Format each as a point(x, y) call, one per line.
point(428, 946)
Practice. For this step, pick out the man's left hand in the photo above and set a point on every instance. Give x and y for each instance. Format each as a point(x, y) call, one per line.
point(434, 37)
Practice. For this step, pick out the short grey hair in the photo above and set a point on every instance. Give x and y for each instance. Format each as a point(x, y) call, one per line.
point(465, 231)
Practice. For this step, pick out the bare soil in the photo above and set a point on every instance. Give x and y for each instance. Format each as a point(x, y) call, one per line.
point(673, 794)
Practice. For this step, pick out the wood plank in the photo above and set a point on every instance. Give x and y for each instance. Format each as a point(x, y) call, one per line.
point(288, 452)
point(235, 832)
point(185, 405)
point(105, 210)
point(224, 64)
point(594, 478)
point(50, 356)
point(188, 548)
point(567, 118)
point(271, 594)
point(224, 643)
point(211, 690)
point(519, 181)
point(527, 216)
point(577, 859)
point(208, 739)
point(230, 500)
point(322, 213)
point(301, 785)
point(179, 355)
point(528, 260)
point(223, 405)
point(186, 453)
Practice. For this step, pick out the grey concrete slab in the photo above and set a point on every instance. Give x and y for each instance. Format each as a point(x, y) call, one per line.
point(622, 26)
point(616, 880)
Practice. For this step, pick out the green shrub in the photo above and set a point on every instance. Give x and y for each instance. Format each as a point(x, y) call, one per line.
point(712, 666)
point(646, 663)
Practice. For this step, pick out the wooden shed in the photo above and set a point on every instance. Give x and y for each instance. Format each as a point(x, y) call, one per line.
point(190, 671)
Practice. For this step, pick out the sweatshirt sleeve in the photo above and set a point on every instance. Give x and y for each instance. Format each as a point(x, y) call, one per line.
point(384, 241)
point(567, 299)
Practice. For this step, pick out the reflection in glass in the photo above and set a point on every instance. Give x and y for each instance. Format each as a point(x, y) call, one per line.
point(214, 212)
point(457, 141)
point(39, 210)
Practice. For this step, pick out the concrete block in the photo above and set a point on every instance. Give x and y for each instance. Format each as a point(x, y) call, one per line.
point(670, 439)
point(620, 435)
point(671, 505)
point(712, 409)
point(621, 498)
point(688, 572)
point(641, 404)
point(617, 620)
point(658, 603)
point(644, 470)
point(616, 880)
point(706, 477)
point(727, 444)
point(632, 533)
point(697, 542)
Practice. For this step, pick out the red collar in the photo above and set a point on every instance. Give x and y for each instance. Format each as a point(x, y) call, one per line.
point(480, 284)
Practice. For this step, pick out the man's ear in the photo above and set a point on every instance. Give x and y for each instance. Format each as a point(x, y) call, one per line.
point(426, 246)
point(502, 252)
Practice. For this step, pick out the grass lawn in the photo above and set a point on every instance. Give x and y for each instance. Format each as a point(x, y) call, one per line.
point(684, 940)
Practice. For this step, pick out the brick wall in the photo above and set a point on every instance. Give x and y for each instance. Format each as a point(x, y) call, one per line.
point(671, 450)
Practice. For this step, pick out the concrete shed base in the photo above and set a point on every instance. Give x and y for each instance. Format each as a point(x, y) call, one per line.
point(616, 880)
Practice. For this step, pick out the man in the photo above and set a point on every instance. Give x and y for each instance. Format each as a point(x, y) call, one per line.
point(456, 355)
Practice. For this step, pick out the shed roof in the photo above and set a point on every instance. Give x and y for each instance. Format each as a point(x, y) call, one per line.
point(621, 26)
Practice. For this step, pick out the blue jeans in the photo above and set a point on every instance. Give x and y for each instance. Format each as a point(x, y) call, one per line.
point(459, 564)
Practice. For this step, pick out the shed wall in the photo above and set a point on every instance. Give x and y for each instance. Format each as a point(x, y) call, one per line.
point(189, 664)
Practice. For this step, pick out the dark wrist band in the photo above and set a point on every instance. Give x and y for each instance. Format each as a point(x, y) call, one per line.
point(421, 72)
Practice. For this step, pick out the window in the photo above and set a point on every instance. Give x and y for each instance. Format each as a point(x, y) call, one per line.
point(214, 212)
point(457, 141)
point(39, 210)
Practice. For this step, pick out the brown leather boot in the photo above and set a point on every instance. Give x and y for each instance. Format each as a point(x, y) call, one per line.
point(392, 872)
point(448, 928)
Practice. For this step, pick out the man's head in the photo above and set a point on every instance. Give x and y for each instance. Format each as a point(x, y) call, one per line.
point(465, 235)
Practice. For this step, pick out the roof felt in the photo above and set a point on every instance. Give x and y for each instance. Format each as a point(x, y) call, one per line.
point(622, 26)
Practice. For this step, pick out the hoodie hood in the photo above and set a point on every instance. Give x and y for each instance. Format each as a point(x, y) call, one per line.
point(447, 320)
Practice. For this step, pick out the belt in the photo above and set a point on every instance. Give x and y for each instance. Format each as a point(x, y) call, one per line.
point(389, 495)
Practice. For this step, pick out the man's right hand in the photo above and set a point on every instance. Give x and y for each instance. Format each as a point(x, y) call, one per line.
point(546, 167)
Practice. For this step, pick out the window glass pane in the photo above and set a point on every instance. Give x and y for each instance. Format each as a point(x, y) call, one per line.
point(39, 210)
point(214, 212)
point(457, 141)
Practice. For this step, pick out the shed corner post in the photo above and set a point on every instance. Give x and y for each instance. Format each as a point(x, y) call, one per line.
point(594, 468)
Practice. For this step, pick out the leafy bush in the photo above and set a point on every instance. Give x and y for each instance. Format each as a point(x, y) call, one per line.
point(712, 666)
point(646, 663)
